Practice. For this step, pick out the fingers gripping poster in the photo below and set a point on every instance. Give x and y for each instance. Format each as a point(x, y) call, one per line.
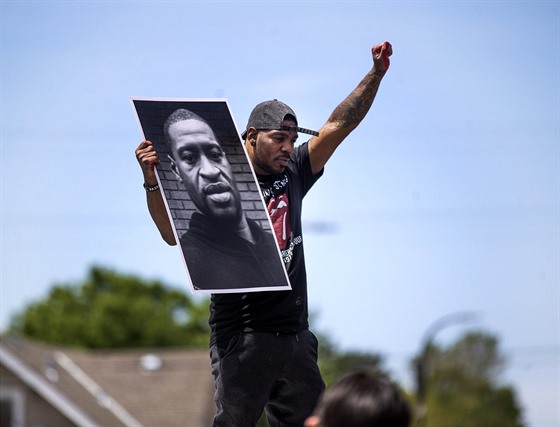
point(212, 196)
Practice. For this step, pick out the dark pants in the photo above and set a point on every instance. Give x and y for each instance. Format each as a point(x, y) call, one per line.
point(258, 370)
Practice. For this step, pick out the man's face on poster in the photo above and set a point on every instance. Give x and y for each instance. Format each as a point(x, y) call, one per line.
point(201, 165)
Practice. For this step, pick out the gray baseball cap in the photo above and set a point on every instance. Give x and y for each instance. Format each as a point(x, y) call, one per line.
point(270, 115)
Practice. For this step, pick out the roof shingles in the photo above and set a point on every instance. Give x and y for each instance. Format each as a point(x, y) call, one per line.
point(177, 394)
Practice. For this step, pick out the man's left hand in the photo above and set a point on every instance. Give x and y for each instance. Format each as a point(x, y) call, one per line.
point(381, 54)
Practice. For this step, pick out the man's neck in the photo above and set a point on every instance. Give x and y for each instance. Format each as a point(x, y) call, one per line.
point(245, 231)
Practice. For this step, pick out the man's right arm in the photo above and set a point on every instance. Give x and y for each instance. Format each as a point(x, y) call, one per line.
point(148, 159)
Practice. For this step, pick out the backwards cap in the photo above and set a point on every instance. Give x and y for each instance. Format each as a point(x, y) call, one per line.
point(270, 115)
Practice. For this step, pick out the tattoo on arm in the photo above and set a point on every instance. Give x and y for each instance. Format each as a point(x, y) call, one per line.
point(354, 108)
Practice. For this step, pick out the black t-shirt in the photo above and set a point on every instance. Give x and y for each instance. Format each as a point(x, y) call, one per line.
point(219, 258)
point(274, 311)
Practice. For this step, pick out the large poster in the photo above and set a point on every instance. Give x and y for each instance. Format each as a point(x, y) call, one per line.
point(212, 196)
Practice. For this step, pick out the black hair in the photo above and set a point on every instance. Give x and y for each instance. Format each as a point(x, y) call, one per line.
point(178, 116)
point(361, 399)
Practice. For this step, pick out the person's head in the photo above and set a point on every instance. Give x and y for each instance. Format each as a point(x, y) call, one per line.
point(272, 130)
point(361, 399)
point(200, 164)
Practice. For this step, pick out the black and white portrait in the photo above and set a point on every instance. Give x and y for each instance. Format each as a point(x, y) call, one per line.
point(212, 197)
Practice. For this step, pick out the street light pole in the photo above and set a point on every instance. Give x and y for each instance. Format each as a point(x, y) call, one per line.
point(421, 363)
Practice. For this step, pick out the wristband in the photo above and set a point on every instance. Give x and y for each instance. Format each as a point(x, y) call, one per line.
point(151, 189)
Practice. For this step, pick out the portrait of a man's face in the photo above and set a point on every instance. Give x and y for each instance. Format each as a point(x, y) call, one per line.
point(212, 196)
point(198, 161)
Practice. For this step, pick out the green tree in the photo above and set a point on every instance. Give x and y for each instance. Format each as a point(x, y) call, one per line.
point(334, 362)
point(463, 388)
point(114, 310)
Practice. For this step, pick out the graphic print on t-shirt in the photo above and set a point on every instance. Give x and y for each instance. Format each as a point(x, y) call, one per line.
point(280, 216)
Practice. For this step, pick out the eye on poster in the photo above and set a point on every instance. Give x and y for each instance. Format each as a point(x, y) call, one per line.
point(212, 196)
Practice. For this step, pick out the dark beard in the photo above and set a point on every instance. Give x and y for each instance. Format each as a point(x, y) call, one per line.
point(266, 168)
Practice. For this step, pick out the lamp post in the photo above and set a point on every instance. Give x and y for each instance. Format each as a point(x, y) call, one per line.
point(421, 362)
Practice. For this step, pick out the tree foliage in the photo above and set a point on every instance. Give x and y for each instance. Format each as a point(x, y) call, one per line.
point(113, 310)
point(334, 362)
point(463, 385)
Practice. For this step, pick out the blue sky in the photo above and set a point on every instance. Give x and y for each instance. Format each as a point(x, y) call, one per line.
point(444, 200)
